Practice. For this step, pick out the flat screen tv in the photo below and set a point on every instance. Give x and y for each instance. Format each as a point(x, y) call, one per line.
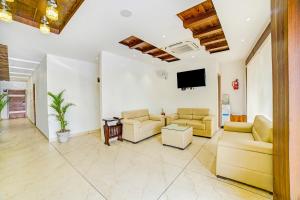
point(190, 79)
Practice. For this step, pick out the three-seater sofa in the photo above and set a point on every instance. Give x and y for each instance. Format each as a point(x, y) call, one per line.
point(198, 118)
point(139, 125)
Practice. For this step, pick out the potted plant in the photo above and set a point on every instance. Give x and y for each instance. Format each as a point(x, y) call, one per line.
point(60, 109)
point(3, 102)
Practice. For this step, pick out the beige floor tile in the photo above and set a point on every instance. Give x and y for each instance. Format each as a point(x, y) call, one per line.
point(85, 168)
point(194, 186)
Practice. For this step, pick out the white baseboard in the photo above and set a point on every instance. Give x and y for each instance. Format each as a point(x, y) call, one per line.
point(77, 134)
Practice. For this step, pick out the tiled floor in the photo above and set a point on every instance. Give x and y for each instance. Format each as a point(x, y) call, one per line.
point(86, 169)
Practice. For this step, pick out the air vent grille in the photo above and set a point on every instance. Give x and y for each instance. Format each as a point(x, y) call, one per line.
point(182, 47)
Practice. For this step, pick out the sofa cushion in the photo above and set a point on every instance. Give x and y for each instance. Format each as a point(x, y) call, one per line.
point(150, 125)
point(201, 111)
point(185, 116)
point(263, 129)
point(236, 136)
point(135, 114)
point(196, 124)
point(180, 121)
point(238, 127)
point(141, 119)
point(184, 111)
point(198, 117)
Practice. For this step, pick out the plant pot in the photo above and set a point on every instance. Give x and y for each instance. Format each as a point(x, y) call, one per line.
point(63, 136)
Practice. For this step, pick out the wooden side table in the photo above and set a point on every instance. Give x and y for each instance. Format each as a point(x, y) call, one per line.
point(112, 129)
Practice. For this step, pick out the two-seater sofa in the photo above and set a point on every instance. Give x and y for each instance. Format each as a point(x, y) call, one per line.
point(139, 125)
point(198, 118)
point(245, 153)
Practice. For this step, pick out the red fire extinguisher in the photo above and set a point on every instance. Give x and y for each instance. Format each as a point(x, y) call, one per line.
point(235, 84)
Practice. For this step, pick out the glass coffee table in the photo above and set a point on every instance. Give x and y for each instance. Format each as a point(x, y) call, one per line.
point(177, 136)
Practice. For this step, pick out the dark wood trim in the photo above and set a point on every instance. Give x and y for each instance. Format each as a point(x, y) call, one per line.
point(258, 44)
point(219, 101)
point(281, 174)
point(286, 108)
point(4, 65)
point(70, 14)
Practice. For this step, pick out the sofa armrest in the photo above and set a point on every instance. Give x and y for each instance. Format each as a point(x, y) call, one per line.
point(207, 118)
point(156, 117)
point(249, 145)
point(171, 118)
point(242, 127)
point(131, 122)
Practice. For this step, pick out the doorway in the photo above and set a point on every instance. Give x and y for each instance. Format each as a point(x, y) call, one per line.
point(17, 104)
point(34, 108)
point(219, 101)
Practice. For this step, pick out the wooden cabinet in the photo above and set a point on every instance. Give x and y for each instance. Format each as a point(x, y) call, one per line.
point(238, 118)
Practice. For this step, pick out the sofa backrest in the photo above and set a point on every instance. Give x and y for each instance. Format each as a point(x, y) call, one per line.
point(140, 115)
point(192, 113)
point(200, 113)
point(262, 129)
point(185, 113)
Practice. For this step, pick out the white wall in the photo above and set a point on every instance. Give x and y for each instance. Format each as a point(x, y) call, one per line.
point(229, 72)
point(259, 83)
point(39, 78)
point(128, 84)
point(10, 85)
point(200, 97)
point(79, 79)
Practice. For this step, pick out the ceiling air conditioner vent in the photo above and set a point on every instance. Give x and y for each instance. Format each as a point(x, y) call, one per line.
point(182, 47)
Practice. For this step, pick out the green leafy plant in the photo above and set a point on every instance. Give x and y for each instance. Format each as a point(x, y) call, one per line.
point(60, 109)
point(3, 102)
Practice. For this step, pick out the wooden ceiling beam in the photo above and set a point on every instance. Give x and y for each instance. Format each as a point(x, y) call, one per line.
point(201, 19)
point(213, 40)
point(167, 57)
point(208, 32)
point(216, 45)
point(137, 45)
point(161, 55)
point(219, 49)
point(172, 60)
point(146, 48)
point(150, 49)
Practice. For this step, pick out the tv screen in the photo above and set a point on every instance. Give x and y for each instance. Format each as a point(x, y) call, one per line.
point(189, 79)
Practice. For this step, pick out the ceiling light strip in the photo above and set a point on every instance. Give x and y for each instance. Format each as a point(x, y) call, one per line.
point(21, 68)
point(24, 60)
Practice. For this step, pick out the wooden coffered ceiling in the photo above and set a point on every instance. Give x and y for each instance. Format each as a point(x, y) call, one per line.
point(4, 70)
point(205, 25)
point(30, 12)
point(138, 44)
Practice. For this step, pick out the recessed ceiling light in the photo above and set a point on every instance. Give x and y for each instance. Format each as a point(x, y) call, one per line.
point(164, 36)
point(242, 40)
point(126, 13)
point(193, 56)
point(248, 19)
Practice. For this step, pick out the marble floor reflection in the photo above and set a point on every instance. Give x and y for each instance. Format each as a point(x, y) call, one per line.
point(85, 168)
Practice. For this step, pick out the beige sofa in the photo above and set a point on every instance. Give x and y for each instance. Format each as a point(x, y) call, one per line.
point(245, 153)
point(139, 125)
point(198, 118)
